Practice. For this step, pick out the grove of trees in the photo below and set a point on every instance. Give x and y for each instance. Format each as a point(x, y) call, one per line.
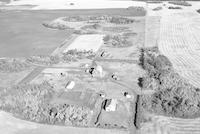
point(173, 96)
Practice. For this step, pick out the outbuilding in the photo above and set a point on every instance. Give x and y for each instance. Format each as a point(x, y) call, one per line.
point(110, 105)
point(70, 85)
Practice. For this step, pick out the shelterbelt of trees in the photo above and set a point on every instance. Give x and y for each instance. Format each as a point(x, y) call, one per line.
point(173, 95)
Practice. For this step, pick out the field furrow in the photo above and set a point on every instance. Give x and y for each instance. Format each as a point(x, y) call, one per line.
point(180, 43)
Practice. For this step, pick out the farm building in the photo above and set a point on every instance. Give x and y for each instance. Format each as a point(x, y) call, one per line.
point(110, 105)
point(70, 85)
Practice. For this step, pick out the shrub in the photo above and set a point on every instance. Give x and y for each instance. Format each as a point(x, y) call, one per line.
point(198, 10)
point(181, 3)
point(56, 25)
point(170, 7)
point(44, 59)
point(121, 20)
point(74, 55)
point(117, 40)
point(91, 27)
point(157, 9)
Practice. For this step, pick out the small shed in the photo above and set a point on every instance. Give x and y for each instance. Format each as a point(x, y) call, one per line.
point(127, 95)
point(110, 105)
point(70, 85)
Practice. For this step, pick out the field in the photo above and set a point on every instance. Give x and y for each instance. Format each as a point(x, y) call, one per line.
point(177, 40)
point(87, 42)
point(32, 37)
point(21, 40)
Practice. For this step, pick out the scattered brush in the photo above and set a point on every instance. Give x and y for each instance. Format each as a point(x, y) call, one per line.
point(180, 3)
point(157, 9)
point(13, 65)
point(171, 7)
point(44, 59)
point(75, 55)
point(117, 40)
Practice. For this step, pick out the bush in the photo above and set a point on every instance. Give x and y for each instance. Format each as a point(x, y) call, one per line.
point(75, 55)
point(121, 20)
point(157, 9)
point(56, 25)
point(181, 3)
point(139, 10)
point(198, 10)
point(170, 7)
point(44, 59)
point(117, 40)
point(91, 27)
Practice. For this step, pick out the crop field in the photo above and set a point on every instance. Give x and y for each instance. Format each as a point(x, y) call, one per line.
point(179, 41)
